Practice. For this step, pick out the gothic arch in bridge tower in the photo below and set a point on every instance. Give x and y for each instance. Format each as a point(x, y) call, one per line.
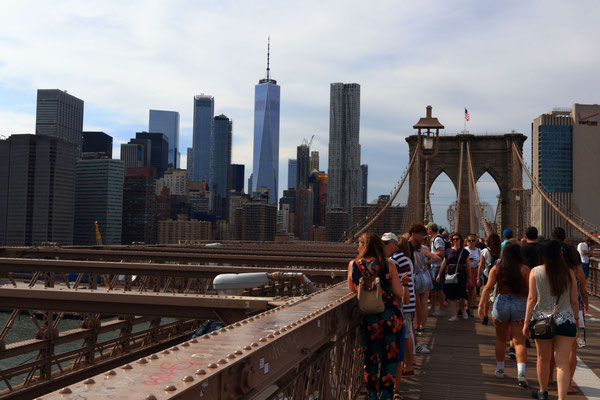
point(489, 153)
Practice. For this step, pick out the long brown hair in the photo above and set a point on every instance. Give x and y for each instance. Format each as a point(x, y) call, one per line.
point(556, 268)
point(372, 248)
point(403, 246)
point(462, 243)
point(509, 270)
point(493, 243)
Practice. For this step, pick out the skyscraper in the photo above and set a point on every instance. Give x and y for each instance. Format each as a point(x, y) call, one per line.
point(167, 122)
point(343, 190)
point(97, 142)
point(266, 135)
point(159, 157)
point(364, 177)
point(37, 190)
point(99, 197)
point(60, 115)
point(204, 112)
point(564, 146)
point(314, 161)
point(220, 165)
point(303, 165)
point(136, 153)
point(190, 162)
point(139, 206)
point(237, 178)
point(292, 167)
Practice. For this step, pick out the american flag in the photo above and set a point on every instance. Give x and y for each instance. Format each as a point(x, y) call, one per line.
point(467, 115)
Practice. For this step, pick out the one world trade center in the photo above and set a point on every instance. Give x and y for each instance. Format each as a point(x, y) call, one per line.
point(266, 136)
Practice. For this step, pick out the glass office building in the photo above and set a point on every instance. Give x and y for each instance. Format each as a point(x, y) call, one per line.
point(555, 157)
point(204, 112)
point(266, 137)
point(167, 123)
point(220, 165)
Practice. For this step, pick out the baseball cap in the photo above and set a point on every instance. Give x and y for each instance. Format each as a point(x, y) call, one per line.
point(507, 233)
point(389, 236)
point(433, 226)
point(445, 235)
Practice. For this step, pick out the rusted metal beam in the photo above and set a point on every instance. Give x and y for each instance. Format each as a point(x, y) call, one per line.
point(128, 303)
point(152, 269)
point(251, 358)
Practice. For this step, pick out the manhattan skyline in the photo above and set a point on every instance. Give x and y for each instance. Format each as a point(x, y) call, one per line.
point(507, 63)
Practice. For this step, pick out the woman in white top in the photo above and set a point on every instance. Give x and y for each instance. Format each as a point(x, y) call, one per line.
point(474, 258)
point(553, 290)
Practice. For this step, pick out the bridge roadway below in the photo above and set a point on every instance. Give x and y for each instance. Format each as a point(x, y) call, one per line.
point(252, 359)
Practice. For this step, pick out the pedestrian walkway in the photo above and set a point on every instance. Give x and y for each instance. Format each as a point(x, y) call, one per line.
point(462, 363)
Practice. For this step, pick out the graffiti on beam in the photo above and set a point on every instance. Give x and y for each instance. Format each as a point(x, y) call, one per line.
point(166, 373)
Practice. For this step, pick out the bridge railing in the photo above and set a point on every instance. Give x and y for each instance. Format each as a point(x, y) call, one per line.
point(594, 277)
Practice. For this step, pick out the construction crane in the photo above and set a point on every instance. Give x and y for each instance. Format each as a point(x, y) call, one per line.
point(98, 235)
point(308, 142)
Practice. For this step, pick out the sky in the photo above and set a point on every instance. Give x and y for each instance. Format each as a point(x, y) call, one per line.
point(507, 62)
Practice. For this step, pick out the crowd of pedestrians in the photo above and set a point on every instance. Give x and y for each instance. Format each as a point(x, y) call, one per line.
point(423, 271)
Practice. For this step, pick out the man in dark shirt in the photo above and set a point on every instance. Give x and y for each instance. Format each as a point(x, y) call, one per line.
point(531, 250)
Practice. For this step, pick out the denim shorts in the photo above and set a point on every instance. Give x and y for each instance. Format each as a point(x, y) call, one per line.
point(509, 308)
point(566, 329)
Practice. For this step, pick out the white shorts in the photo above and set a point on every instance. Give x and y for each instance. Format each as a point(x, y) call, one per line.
point(408, 323)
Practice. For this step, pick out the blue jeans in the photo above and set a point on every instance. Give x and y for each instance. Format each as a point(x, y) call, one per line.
point(586, 269)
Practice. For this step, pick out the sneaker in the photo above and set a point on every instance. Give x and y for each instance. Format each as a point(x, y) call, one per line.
point(500, 374)
point(512, 354)
point(469, 313)
point(453, 318)
point(422, 349)
point(436, 313)
point(522, 381)
point(419, 331)
point(465, 315)
point(485, 320)
point(538, 394)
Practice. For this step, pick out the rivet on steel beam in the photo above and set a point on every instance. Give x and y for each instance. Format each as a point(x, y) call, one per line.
point(254, 344)
point(222, 330)
point(270, 336)
point(213, 365)
point(185, 344)
point(127, 366)
point(65, 391)
point(277, 333)
point(288, 327)
point(238, 352)
point(262, 339)
point(247, 347)
point(150, 397)
point(194, 340)
point(153, 357)
point(111, 373)
point(170, 388)
point(89, 381)
point(214, 333)
point(207, 336)
point(166, 352)
point(231, 356)
point(188, 378)
point(142, 361)
point(251, 319)
point(230, 327)
point(238, 324)
point(244, 322)
point(222, 361)
point(175, 348)
point(201, 372)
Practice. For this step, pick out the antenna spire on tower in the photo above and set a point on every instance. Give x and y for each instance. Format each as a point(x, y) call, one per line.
point(268, 57)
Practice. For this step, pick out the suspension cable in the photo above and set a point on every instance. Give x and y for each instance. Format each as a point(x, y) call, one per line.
point(389, 202)
point(484, 223)
point(460, 168)
point(545, 196)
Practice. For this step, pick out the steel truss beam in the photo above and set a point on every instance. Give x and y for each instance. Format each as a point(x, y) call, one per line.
point(252, 358)
point(174, 305)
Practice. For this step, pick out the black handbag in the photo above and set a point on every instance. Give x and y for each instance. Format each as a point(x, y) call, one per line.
point(543, 328)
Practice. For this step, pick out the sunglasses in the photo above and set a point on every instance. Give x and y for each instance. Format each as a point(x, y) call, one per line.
point(470, 240)
point(455, 239)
